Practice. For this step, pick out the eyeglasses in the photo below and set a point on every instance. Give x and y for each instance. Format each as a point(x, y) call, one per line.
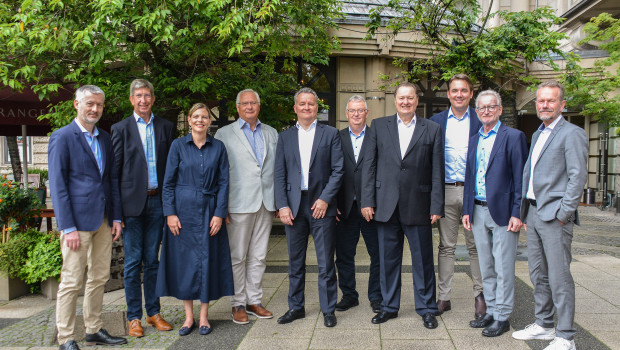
point(492, 108)
point(145, 96)
point(357, 111)
point(250, 103)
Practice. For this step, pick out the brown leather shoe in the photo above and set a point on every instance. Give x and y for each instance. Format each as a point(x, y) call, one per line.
point(442, 306)
point(158, 322)
point(259, 311)
point(239, 315)
point(480, 305)
point(135, 328)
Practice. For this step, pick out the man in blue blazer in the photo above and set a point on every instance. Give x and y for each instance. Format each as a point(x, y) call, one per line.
point(458, 123)
point(307, 176)
point(87, 206)
point(491, 209)
point(141, 144)
point(403, 190)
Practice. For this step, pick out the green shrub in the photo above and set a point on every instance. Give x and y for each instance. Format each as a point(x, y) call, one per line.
point(44, 260)
point(14, 253)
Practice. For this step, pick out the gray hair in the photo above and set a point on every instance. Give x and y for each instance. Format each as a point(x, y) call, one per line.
point(306, 90)
point(552, 84)
point(356, 98)
point(247, 90)
point(139, 84)
point(489, 93)
point(80, 93)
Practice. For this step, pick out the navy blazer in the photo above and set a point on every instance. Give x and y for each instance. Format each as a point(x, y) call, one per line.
point(81, 195)
point(503, 178)
point(131, 160)
point(325, 172)
point(414, 183)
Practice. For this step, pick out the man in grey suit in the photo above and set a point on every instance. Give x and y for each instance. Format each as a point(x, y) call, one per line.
point(307, 177)
point(403, 189)
point(553, 180)
point(251, 148)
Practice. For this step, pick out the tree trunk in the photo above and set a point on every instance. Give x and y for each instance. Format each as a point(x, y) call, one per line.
point(16, 164)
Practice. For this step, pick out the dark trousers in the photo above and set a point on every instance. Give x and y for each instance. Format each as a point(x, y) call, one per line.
point(141, 239)
point(391, 242)
point(347, 237)
point(322, 231)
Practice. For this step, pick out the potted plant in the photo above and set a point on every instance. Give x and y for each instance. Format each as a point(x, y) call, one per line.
point(13, 256)
point(42, 189)
point(43, 264)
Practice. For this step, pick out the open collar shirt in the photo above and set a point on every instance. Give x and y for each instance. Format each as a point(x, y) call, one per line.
point(457, 140)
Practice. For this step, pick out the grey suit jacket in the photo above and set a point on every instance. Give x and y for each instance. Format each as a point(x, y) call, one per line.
point(560, 173)
point(249, 184)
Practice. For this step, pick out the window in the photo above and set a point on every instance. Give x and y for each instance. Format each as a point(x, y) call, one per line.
point(6, 159)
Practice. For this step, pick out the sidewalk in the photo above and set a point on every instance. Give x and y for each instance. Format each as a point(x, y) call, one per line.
point(28, 322)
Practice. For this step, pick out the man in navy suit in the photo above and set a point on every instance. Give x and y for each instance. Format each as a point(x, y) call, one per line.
point(141, 144)
point(403, 190)
point(87, 206)
point(459, 123)
point(351, 219)
point(307, 176)
point(491, 206)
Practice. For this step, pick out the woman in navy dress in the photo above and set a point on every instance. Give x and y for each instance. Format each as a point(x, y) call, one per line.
point(195, 256)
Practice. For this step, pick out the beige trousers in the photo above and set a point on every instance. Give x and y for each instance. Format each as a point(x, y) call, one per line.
point(448, 235)
point(248, 235)
point(95, 252)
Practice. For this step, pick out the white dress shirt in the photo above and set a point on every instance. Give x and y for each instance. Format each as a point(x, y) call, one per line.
point(306, 139)
point(405, 132)
point(540, 143)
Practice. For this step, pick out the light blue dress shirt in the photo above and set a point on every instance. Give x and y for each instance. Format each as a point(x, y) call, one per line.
point(147, 136)
point(485, 145)
point(255, 138)
point(457, 141)
point(357, 141)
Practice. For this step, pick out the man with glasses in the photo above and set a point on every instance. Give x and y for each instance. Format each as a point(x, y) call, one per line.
point(458, 123)
point(351, 220)
point(251, 147)
point(491, 204)
point(141, 145)
point(553, 180)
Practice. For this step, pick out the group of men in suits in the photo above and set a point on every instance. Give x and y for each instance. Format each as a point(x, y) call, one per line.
point(388, 180)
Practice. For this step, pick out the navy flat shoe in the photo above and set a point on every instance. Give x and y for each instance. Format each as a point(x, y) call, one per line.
point(187, 330)
point(204, 330)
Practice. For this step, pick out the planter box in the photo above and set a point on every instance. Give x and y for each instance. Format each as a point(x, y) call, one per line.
point(11, 288)
point(49, 288)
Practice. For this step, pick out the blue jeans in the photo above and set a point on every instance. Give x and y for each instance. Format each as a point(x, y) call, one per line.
point(142, 238)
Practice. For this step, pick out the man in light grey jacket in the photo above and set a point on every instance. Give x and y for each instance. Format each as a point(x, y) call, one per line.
point(251, 147)
point(553, 180)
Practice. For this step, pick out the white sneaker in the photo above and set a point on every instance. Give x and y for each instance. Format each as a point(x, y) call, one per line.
point(561, 344)
point(534, 331)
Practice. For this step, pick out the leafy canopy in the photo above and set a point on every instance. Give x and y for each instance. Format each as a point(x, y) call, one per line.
point(192, 51)
point(597, 90)
point(455, 37)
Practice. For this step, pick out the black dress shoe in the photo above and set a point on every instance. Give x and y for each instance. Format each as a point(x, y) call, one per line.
point(496, 328)
point(70, 345)
point(481, 322)
point(103, 338)
point(292, 315)
point(183, 331)
point(430, 321)
point(383, 316)
point(346, 303)
point(376, 306)
point(329, 319)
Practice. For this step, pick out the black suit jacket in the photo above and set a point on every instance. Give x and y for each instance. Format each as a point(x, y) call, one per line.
point(325, 173)
point(352, 180)
point(131, 161)
point(414, 183)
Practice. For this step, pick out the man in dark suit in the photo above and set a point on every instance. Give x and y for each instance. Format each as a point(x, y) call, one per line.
point(141, 144)
point(307, 176)
point(553, 179)
point(459, 123)
point(351, 220)
point(87, 207)
point(403, 189)
point(491, 209)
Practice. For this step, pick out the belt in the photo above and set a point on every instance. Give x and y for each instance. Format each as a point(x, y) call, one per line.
point(482, 203)
point(202, 190)
point(152, 192)
point(532, 202)
point(456, 184)
point(304, 192)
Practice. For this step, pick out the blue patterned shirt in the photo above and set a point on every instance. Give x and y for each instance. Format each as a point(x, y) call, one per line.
point(485, 145)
